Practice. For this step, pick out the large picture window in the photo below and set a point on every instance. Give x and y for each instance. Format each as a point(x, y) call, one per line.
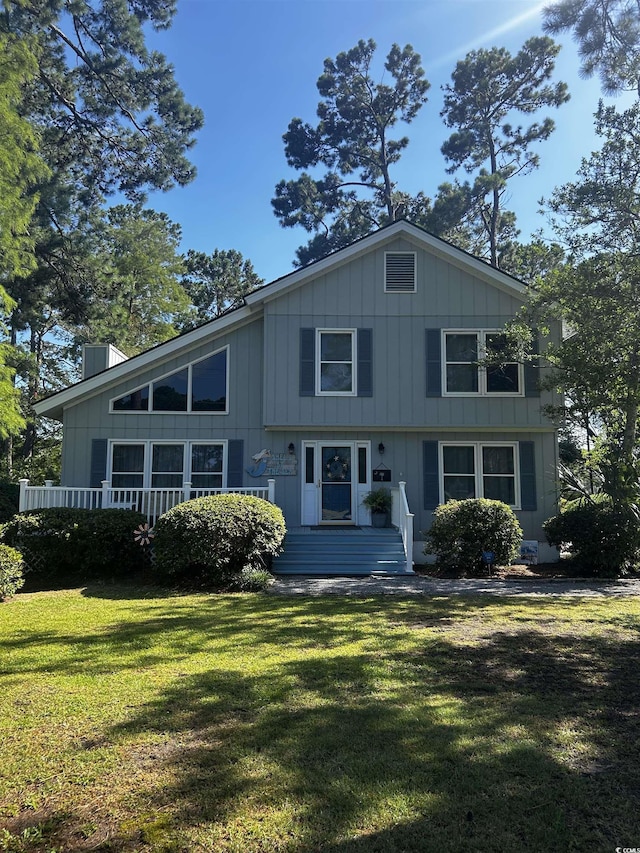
point(479, 470)
point(167, 465)
point(199, 387)
point(475, 363)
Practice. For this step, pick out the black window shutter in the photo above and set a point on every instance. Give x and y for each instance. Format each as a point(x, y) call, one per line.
point(433, 353)
point(528, 497)
point(532, 371)
point(234, 463)
point(365, 363)
point(430, 474)
point(98, 462)
point(307, 362)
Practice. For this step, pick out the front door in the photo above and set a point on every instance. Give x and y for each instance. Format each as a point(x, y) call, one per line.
point(336, 477)
point(336, 484)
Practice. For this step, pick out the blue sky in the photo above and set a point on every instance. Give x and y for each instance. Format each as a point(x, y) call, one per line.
point(252, 66)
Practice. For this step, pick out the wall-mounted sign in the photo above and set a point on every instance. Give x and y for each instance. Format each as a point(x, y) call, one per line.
point(381, 475)
point(282, 465)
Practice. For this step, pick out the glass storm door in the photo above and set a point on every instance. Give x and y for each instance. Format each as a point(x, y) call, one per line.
point(336, 484)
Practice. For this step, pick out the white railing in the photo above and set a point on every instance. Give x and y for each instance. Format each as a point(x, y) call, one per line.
point(402, 518)
point(151, 502)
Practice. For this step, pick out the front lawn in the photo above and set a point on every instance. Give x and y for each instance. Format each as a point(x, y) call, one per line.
point(135, 721)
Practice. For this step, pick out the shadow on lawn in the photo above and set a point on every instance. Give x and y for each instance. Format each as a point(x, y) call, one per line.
point(437, 740)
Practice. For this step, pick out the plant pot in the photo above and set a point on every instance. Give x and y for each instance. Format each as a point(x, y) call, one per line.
point(379, 519)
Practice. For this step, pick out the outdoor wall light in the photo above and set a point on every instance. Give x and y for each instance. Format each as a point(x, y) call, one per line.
point(381, 448)
point(291, 448)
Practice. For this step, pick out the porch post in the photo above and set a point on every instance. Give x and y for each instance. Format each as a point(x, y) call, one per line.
point(186, 491)
point(105, 494)
point(22, 501)
point(271, 495)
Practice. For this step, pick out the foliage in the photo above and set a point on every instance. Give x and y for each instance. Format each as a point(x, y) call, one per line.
point(378, 500)
point(109, 117)
point(600, 210)
point(9, 500)
point(531, 262)
point(110, 111)
point(608, 36)
point(82, 543)
point(211, 539)
point(138, 295)
point(21, 167)
point(216, 283)
point(603, 539)
point(490, 89)
point(462, 530)
point(252, 579)
point(11, 571)
point(352, 140)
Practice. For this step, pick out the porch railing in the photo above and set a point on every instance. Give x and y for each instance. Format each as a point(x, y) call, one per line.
point(402, 518)
point(151, 502)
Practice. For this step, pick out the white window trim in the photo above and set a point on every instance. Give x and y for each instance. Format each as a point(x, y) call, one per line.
point(415, 271)
point(151, 382)
point(477, 464)
point(481, 336)
point(148, 459)
point(354, 363)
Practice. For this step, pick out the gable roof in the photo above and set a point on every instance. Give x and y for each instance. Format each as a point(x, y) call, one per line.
point(52, 406)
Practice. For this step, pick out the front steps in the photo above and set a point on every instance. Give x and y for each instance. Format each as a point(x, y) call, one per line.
point(343, 552)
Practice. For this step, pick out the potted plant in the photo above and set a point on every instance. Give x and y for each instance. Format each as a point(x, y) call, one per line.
point(379, 503)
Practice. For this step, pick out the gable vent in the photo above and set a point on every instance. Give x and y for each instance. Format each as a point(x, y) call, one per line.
point(400, 272)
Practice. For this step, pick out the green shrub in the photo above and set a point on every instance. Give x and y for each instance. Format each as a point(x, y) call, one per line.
point(603, 540)
point(9, 500)
point(82, 543)
point(11, 575)
point(252, 579)
point(463, 530)
point(210, 540)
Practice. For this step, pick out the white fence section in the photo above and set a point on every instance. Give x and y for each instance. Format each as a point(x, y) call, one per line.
point(150, 502)
point(402, 518)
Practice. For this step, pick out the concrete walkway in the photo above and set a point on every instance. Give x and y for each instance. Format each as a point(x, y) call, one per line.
point(433, 587)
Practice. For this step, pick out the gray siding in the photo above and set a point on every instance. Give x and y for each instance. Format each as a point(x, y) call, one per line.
point(91, 419)
point(353, 297)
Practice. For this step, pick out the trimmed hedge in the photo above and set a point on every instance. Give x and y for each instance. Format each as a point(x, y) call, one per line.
point(603, 541)
point(463, 530)
point(210, 540)
point(11, 574)
point(86, 543)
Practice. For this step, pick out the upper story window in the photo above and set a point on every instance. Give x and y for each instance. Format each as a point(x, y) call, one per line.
point(336, 360)
point(198, 387)
point(400, 272)
point(464, 375)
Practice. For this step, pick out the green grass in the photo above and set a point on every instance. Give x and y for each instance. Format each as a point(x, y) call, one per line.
point(135, 721)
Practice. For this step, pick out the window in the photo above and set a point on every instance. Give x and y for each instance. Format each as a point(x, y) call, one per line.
point(167, 465)
point(336, 362)
point(479, 470)
point(464, 375)
point(198, 387)
point(400, 272)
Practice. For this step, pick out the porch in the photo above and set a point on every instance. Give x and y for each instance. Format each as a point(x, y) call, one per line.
point(358, 550)
point(150, 502)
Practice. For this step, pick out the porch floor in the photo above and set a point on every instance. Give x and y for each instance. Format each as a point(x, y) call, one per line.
point(341, 552)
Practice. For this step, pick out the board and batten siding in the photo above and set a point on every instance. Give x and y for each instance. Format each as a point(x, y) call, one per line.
point(353, 297)
point(91, 419)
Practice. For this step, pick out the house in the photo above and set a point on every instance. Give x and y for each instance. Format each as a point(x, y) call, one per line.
point(360, 369)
